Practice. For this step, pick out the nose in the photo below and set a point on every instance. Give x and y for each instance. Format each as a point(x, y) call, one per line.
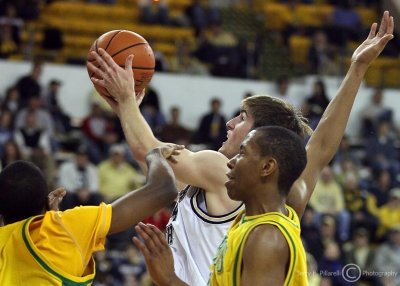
point(231, 163)
point(231, 123)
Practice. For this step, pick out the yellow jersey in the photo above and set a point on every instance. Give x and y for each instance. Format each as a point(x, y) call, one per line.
point(55, 248)
point(226, 268)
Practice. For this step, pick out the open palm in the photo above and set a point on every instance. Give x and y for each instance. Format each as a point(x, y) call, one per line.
point(376, 42)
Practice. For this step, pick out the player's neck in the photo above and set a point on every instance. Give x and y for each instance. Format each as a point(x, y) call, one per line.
point(265, 203)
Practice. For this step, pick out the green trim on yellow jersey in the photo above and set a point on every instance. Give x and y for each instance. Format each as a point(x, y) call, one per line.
point(65, 281)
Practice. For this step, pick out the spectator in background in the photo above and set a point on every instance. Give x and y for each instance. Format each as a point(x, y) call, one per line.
point(174, 131)
point(62, 121)
point(11, 153)
point(361, 253)
point(379, 191)
point(31, 138)
point(34, 143)
point(201, 16)
point(321, 55)
point(219, 48)
point(185, 62)
point(8, 46)
point(28, 85)
point(380, 149)
point(80, 178)
point(151, 110)
point(11, 100)
point(154, 12)
point(328, 199)
point(316, 103)
point(344, 24)
point(310, 233)
point(331, 262)
point(356, 204)
point(212, 129)
point(282, 91)
point(389, 213)
point(387, 258)
point(99, 133)
point(374, 112)
point(14, 22)
point(6, 128)
point(344, 153)
point(116, 176)
point(44, 120)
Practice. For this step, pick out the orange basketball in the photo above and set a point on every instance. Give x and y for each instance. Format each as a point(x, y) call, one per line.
point(120, 44)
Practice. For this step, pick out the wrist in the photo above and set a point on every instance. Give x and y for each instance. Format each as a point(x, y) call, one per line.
point(359, 68)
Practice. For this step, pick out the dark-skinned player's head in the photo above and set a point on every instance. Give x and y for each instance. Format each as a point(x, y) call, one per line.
point(252, 166)
point(23, 191)
point(288, 150)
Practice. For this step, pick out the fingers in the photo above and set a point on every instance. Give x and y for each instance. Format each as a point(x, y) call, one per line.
point(128, 62)
point(372, 32)
point(160, 235)
point(143, 249)
point(145, 233)
point(152, 237)
point(384, 24)
point(107, 59)
point(390, 28)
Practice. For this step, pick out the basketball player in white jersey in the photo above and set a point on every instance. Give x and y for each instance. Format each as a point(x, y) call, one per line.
point(204, 211)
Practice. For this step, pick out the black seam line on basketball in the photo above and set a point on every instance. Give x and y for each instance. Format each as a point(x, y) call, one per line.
point(138, 68)
point(138, 44)
point(112, 38)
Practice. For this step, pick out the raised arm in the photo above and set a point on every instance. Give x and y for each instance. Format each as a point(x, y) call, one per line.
point(325, 140)
point(158, 192)
point(192, 168)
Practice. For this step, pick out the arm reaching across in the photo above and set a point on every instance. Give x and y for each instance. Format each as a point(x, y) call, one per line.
point(157, 254)
point(192, 168)
point(158, 192)
point(324, 142)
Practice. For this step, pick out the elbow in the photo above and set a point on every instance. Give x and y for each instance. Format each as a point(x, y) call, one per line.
point(165, 186)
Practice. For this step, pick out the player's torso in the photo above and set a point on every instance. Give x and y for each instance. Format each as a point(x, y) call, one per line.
point(227, 263)
point(21, 263)
point(194, 236)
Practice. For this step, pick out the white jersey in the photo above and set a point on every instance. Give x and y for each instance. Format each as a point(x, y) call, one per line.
point(194, 236)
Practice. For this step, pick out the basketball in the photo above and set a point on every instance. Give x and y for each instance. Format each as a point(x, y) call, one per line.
point(119, 44)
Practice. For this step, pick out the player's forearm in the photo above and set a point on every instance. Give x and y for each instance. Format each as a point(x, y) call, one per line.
point(330, 130)
point(137, 132)
point(158, 192)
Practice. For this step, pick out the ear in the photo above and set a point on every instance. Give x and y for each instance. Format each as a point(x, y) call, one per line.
point(268, 166)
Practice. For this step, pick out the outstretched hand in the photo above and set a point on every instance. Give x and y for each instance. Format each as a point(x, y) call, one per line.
point(376, 42)
point(55, 198)
point(156, 252)
point(118, 81)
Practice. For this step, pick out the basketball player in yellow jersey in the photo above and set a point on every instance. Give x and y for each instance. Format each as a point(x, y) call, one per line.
point(263, 245)
point(41, 247)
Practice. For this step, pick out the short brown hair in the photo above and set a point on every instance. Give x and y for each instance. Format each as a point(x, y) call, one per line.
point(271, 111)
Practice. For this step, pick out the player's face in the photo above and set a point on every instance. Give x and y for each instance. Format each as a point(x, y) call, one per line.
point(243, 169)
point(238, 127)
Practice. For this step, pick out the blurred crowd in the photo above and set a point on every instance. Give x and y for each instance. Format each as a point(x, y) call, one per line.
point(216, 49)
point(353, 215)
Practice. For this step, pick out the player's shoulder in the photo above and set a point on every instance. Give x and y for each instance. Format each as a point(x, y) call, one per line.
point(267, 236)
